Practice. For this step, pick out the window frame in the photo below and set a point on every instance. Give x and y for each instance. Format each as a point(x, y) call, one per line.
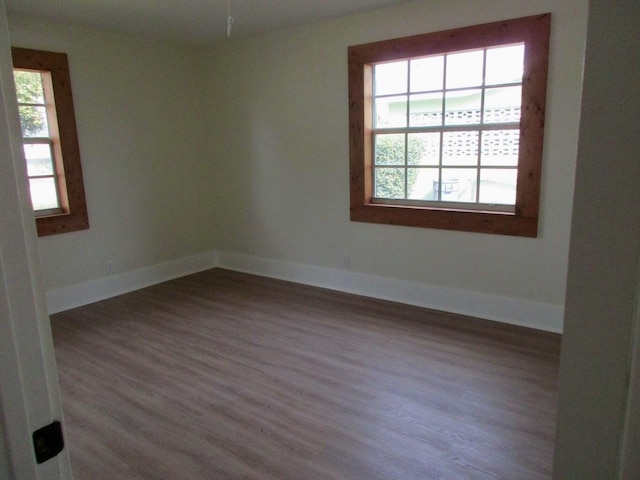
point(534, 32)
point(73, 214)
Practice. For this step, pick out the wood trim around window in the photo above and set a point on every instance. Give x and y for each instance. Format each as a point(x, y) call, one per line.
point(66, 149)
point(534, 31)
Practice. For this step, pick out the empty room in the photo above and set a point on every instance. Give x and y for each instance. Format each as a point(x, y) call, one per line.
point(364, 239)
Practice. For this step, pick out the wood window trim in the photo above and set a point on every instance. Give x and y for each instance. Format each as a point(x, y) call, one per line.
point(74, 216)
point(534, 31)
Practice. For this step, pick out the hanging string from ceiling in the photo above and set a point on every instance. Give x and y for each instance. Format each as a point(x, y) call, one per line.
point(229, 18)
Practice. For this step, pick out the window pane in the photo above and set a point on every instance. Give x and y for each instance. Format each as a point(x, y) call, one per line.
point(421, 183)
point(425, 110)
point(427, 74)
point(390, 149)
point(457, 185)
point(52, 71)
point(424, 148)
point(28, 87)
point(391, 78)
point(505, 64)
point(463, 107)
point(500, 147)
point(391, 112)
point(498, 186)
point(43, 193)
point(460, 148)
point(465, 69)
point(502, 104)
point(389, 183)
point(39, 159)
point(33, 121)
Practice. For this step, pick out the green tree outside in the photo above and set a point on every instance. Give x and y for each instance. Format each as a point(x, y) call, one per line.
point(390, 151)
point(29, 91)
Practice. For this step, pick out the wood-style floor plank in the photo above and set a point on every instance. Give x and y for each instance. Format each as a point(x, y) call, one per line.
point(223, 375)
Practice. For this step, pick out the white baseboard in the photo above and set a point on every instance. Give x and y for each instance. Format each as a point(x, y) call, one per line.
point(513, 311)
point(540, 316)
point(101, 288)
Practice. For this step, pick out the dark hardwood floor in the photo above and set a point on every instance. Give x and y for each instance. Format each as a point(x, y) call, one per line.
point(223, 375)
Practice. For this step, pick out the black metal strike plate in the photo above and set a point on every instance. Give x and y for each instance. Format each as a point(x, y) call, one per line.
point(48, 442)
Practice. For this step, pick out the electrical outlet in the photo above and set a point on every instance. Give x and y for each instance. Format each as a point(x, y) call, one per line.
point(108, 266)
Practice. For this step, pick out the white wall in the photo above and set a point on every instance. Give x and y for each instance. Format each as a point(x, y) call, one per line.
point(603, 284)
point(139, 109)
point(279, 136)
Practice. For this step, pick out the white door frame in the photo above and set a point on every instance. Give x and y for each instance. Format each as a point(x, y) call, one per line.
point(29, 390)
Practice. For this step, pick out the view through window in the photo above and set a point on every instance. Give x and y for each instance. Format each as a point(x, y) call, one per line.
point(39, 129)
point(50, 140)
point(446, 127)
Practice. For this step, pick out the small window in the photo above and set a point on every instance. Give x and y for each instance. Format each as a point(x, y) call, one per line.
point(446, 128)
point(50, 140)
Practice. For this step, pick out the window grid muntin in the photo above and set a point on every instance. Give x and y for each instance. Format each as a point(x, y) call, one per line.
point(406, 166)
point(480, 127)
point(53, 176)
point(50, 111)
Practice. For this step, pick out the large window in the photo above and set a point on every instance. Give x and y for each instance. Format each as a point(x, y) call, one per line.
point(446, 128)
point(50, 140)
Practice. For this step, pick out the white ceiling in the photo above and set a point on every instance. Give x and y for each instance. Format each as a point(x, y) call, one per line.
point(191, 21)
